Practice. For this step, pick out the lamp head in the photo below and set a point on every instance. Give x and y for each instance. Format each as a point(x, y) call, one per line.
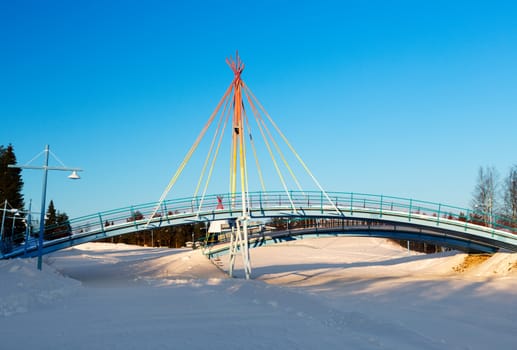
point(74, 175)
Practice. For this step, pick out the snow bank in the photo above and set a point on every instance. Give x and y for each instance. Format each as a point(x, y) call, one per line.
point(498, 265)
point(25, 287)
point(326, 293)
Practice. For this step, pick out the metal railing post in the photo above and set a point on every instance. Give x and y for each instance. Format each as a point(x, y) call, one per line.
point(321, 202)
point(102, 224)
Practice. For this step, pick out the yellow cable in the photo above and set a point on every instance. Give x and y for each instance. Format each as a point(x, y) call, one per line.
point(247, 90)
point(278, 171)
point(259, 169)
point(189, 154)
point(213, 162)
point(209, 154)
point(233, 161)
point(246, 188)
point(280, 153)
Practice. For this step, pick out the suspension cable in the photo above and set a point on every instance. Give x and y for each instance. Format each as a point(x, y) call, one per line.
point(281, 154)
point(271, 154)
point(246, 187)
point(209, 154)
point(291, 147)
point(189, 154)
point(259, 169)
point(214, 158)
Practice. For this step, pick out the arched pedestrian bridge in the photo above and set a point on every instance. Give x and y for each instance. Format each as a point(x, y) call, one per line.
point(352, 214)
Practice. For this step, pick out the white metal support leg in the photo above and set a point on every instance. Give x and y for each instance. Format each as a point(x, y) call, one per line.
point(239, 244)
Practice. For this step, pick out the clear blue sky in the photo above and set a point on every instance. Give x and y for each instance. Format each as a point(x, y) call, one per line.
point(404, 98)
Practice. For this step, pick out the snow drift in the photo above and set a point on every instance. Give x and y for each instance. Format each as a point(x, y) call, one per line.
point(332, 293)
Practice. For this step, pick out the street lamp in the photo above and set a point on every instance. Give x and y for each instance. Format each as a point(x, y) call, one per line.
point(27, 228)
point(45, 169)
point(13, 212)
point(3, 220)
point(16, 213)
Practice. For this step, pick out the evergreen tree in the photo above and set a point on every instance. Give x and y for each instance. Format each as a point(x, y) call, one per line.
point(50, 220)
point(11, 185)
point(57, 224)
point(65, 229)
point(51, 217)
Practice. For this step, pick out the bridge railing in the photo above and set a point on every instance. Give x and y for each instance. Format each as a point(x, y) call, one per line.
point(291, 202)
point(351, 201)
point(276, 203)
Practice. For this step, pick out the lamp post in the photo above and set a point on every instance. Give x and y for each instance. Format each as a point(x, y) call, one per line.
point(14, 212)
point(45, 169)
point(27, 228)
point(3, 221)
point(16, 215)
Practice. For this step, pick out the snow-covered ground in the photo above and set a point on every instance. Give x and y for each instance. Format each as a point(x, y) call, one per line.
point(328, 293)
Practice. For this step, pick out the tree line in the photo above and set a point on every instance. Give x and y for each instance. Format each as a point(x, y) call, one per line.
point(169, 236)
point(14, 216)
point(494, 199)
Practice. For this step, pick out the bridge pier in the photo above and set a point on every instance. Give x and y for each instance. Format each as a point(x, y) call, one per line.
point(239, 244)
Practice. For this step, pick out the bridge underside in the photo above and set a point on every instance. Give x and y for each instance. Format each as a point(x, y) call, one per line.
point(413, 233)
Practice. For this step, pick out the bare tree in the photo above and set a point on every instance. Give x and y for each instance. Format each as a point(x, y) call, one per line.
point(484, 201)
point(510, 195)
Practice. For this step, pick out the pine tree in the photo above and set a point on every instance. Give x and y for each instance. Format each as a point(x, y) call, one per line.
point(51, 218)
point(11, 185)
point(50, 221)
point(65, 229)
point(57, 224)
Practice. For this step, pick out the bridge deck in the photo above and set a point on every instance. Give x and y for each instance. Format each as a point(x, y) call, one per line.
point(407, 218)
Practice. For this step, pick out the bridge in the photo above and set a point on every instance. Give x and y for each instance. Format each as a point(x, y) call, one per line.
point(352, 214)
point(329, 213)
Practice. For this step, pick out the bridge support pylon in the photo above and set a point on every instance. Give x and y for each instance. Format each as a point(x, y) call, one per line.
point(239, 245)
